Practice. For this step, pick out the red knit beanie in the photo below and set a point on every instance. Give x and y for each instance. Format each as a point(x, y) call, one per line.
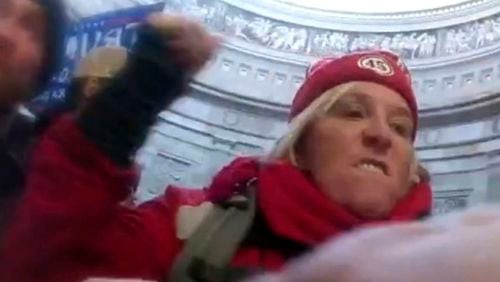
point(381, 67)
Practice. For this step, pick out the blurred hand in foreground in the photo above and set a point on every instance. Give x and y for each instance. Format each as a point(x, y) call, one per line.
point(460, 247)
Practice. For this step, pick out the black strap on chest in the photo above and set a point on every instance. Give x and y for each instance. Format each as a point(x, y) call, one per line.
point(208, 252)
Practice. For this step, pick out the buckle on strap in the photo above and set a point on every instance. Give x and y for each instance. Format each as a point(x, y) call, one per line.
point(241, 199)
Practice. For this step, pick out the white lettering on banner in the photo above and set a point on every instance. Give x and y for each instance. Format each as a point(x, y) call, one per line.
point(113, 37)
point(71, 48)
point(64, 75)
point(85, 46)
point(59, 94)
point(131, 28)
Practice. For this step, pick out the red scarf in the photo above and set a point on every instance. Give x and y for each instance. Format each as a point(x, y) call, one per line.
point(294, 208)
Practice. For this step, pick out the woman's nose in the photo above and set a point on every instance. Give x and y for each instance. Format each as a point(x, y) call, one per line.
point(377, 135)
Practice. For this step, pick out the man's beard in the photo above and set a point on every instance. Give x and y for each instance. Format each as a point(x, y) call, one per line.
point(12, 90)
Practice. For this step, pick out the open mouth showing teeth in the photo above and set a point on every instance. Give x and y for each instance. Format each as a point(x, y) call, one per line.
point(373, 166)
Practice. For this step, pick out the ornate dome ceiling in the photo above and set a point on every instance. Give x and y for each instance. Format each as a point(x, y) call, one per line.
point(381, 6)
point(239, 103)
point(452, 46)
point(452, 50)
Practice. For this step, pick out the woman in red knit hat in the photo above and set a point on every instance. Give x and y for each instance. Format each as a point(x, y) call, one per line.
point(347, 161)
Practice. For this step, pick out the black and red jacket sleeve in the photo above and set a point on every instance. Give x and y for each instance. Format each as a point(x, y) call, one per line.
point(72, 224)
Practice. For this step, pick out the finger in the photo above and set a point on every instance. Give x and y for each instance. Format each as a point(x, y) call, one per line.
point(214, 42)
point(168, 25)
point(186, 53)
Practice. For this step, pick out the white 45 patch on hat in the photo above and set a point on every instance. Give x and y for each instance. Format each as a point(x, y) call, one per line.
point(377, 64)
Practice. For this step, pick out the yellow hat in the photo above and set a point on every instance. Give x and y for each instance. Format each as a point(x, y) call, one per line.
point(102, 62)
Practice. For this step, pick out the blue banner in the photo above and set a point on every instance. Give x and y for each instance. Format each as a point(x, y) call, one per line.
point(117, 28)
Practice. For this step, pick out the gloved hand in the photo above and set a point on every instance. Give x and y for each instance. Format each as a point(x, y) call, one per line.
point(461, 247)
point(169, 51)
point(190, 43)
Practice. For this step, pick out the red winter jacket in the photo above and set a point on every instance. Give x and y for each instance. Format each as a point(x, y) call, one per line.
point(72, 223)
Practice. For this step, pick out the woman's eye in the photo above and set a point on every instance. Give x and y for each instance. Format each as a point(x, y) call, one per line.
point(354, 113)
point(401, 129)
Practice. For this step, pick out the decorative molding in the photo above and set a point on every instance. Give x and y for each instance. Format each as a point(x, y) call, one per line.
point(171, 168)
point(271, 84)
point(425, 15)
point(454, 8)
point(268, 78)
point(450, 200)
point(315, 42)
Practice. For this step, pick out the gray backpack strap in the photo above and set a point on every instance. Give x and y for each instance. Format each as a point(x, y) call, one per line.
point(208, 252)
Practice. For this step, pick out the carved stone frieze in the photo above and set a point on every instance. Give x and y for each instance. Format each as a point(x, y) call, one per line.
point(300, 39)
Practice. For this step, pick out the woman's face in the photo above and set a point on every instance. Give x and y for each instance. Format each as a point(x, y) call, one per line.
point(360, 152)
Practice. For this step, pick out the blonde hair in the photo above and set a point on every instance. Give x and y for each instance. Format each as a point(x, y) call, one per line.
point(285, 147)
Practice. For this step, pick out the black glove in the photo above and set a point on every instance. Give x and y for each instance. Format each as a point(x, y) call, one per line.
point(119, 117)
